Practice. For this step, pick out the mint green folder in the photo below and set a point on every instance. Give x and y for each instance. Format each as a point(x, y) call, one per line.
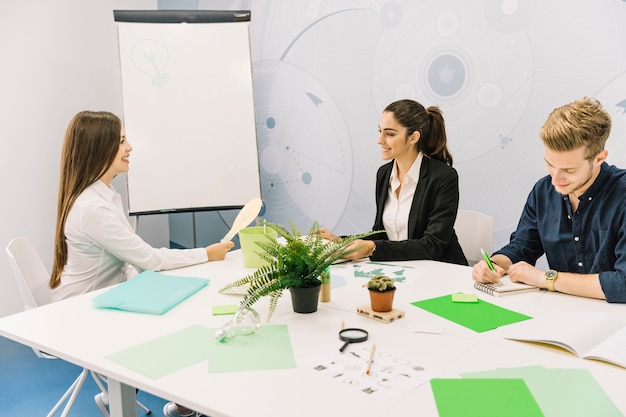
point(480, 316)
point(149, 292)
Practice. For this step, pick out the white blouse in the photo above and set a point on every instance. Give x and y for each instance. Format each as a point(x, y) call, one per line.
point(397, 207)
point(103, 248)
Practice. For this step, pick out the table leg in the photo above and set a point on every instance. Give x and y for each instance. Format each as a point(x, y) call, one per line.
point(122, 399)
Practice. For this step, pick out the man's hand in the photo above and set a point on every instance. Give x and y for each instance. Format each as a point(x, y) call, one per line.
point(528, 274)
point(482, 273)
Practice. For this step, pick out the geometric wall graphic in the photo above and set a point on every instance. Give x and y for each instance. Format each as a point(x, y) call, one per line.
point(324, 70)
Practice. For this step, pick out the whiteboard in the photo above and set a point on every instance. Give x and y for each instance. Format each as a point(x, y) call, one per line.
point(188, 114)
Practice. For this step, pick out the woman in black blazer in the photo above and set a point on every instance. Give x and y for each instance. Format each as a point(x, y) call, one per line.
point(417, 192)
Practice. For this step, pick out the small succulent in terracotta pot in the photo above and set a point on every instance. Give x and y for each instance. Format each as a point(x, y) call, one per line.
point(382, 289)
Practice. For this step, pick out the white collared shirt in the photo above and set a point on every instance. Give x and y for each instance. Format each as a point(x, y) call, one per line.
point(102, 247)
point(397, 208)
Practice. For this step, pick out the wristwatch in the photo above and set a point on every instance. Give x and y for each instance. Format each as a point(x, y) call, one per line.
point(551, 276)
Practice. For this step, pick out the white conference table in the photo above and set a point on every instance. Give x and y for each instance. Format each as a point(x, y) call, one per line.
point(75, 331)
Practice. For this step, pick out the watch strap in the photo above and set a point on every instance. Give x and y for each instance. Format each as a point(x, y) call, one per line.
point(551, 276)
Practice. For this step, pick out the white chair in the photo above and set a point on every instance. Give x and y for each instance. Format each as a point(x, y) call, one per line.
point(32, 282)
point(475, 231)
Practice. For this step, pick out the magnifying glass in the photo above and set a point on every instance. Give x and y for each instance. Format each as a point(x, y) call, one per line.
point(352, 336)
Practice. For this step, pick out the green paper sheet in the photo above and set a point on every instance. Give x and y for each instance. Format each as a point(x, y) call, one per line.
point(480, 316)
point(560, 392)
point(268, 348)
point(168, 353)
point(484, 398)
point(149, 292)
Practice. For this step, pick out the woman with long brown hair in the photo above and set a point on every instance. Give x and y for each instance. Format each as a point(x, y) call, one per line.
point(95, 245)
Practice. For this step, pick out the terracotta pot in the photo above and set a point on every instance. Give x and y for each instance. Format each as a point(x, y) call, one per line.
point(305, 300)
point(382, 301)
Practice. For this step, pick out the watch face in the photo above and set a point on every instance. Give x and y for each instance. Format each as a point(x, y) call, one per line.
point(550, 274)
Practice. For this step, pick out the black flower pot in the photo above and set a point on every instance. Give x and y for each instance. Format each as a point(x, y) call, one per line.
point(304, 300)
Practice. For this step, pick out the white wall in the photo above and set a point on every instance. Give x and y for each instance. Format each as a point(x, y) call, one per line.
point(58, 58)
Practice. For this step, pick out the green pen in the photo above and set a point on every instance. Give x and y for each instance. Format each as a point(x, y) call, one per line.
point(489, 263)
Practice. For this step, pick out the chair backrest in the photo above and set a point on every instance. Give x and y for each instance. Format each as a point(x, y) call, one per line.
point(30, 273)
point(475, 231)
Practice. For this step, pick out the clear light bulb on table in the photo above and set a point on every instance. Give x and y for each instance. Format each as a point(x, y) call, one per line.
point(244, 323)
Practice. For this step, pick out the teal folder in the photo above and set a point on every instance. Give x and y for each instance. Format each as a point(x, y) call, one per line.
point(149, 292)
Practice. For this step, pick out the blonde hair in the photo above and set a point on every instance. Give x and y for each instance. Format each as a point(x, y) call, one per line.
point(91, 142)
point(581, 123)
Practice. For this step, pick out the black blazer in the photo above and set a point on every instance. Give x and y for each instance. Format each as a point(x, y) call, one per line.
point(431, 218)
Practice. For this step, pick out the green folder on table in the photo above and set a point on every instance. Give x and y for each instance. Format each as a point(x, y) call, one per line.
point(480, 316)
point(149, 292)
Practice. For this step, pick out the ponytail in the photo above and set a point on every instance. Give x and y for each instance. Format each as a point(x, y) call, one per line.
point(434, 143)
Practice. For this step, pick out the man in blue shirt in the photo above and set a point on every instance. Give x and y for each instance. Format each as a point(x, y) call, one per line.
point(576, 215)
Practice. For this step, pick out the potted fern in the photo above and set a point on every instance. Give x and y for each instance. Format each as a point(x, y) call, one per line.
point(296, 264)
point(381, 289)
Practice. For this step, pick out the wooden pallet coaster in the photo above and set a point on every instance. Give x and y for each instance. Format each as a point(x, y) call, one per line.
point(387, 317)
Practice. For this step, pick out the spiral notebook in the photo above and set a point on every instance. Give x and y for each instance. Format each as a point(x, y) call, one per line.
point(508, 287)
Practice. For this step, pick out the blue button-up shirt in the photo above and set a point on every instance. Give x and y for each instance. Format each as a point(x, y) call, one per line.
point(589, 241)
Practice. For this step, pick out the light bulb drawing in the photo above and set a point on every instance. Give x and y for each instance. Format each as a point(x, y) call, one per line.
point(151, 57)
point(244, 323)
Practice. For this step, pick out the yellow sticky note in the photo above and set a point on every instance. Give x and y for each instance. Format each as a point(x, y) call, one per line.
point(464, 298)
point(224, 309)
